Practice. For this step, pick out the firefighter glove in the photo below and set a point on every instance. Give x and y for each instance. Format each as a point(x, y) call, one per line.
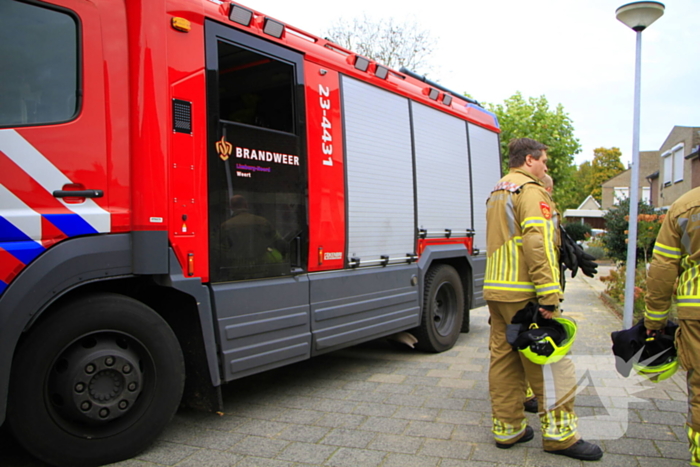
point(567, 252)
point(585, 262)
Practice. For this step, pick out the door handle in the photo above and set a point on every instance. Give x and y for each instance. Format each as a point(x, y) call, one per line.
point(78, 194)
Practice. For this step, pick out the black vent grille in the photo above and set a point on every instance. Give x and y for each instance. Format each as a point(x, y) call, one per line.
point(182, 116)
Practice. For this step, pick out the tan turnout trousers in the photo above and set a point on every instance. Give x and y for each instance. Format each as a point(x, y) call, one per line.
point(688, 344)
point(553, 384)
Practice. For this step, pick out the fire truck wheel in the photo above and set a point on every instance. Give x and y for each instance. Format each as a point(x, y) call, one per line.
point(466, 318)
point(443, 310)
point(95, 382)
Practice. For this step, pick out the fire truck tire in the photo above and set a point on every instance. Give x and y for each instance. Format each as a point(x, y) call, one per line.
point(443, 310)
point(96, 382)
point(466, 319)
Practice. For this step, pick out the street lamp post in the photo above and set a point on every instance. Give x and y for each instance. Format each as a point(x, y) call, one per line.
point(638, 16)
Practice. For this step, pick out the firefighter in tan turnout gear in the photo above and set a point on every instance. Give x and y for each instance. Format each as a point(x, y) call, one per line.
point(522, 267)
point(677, 256)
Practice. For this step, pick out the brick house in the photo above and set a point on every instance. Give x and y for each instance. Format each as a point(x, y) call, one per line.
point(618, 187)
point(679, 166)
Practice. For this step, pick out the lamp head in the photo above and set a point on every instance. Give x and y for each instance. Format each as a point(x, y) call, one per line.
point(640, 15)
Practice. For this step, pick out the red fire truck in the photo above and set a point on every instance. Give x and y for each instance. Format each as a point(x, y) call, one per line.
point(192, 192)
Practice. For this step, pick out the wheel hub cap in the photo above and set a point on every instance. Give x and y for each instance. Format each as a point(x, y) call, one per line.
point(96, 379)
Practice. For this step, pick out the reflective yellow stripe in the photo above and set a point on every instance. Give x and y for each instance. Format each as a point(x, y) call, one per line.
point(506, 285)
point(504, 431)
point(502, 265)
point(656, 315)
point(529, 394)
point(531, 222)
point(559, 425)
point(551, 250)
point(667, 251)
point(684, 300)
point(689, 280)
point(545, 289)
point(694, 445)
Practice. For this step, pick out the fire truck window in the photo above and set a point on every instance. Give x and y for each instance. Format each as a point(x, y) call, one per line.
point(39, 72)
point(256, 172)
point(255, 89)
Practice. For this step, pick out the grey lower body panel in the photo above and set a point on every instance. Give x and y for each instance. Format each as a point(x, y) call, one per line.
point(262, 324)
point(349, 307)
point(270, 323)
point(479, 270)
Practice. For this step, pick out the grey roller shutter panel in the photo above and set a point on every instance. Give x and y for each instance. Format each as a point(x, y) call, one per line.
point(379, 171)
point(486, 171)
point(442, 172)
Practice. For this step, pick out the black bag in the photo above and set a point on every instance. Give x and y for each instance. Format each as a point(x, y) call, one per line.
point(632, 345)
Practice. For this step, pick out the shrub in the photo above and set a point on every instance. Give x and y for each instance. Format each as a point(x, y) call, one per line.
point(615, 239)
point(597, 241)
point(615, 288)
point(596, 251)
point(577, 231)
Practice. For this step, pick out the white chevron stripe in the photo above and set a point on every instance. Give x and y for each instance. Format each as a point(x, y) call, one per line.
point(30, 160)
point(20, 215)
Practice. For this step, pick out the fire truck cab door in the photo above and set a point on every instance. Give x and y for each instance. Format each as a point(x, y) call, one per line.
point(257, 201)
point(53, 152)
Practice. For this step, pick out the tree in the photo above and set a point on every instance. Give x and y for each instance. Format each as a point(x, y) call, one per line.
point(582, 189)
point(387, 41)
point(532, 118)
point(617, 225)
point(578, 231)
point(591, 175)
point(606, 164)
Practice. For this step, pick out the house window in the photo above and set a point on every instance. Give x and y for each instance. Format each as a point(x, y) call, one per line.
point(646, 194)
point(620, 193)
point(673, 165)
point(668, 167)
point(678, 163)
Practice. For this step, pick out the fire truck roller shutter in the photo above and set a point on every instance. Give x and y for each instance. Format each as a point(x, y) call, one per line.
point(485, 156)
point(442, 172)
point(379, 173)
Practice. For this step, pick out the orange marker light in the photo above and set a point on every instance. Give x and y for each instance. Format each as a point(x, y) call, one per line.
point(181, 24)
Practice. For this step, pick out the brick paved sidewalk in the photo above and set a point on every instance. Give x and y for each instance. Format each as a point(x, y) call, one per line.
point(378, 405)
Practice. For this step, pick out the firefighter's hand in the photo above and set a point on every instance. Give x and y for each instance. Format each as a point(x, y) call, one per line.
point(547, 311)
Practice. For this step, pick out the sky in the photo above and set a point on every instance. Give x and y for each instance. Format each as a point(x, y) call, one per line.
point(574, 52)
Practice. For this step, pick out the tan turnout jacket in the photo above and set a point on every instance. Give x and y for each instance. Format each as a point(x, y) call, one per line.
point(521, 240)
point(676, 255)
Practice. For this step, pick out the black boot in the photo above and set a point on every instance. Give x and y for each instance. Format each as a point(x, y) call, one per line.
point(582, 450)
point(527, 436)
point(531, 405)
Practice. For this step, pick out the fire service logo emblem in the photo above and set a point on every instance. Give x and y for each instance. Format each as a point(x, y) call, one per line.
point(546, 210)
point(224, 148)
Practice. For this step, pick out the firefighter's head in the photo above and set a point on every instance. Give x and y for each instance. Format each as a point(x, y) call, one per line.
point(548, 183)
point(529, 155)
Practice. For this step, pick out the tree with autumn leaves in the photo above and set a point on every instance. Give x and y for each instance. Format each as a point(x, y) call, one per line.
point(606, 164)
point(591, 175)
